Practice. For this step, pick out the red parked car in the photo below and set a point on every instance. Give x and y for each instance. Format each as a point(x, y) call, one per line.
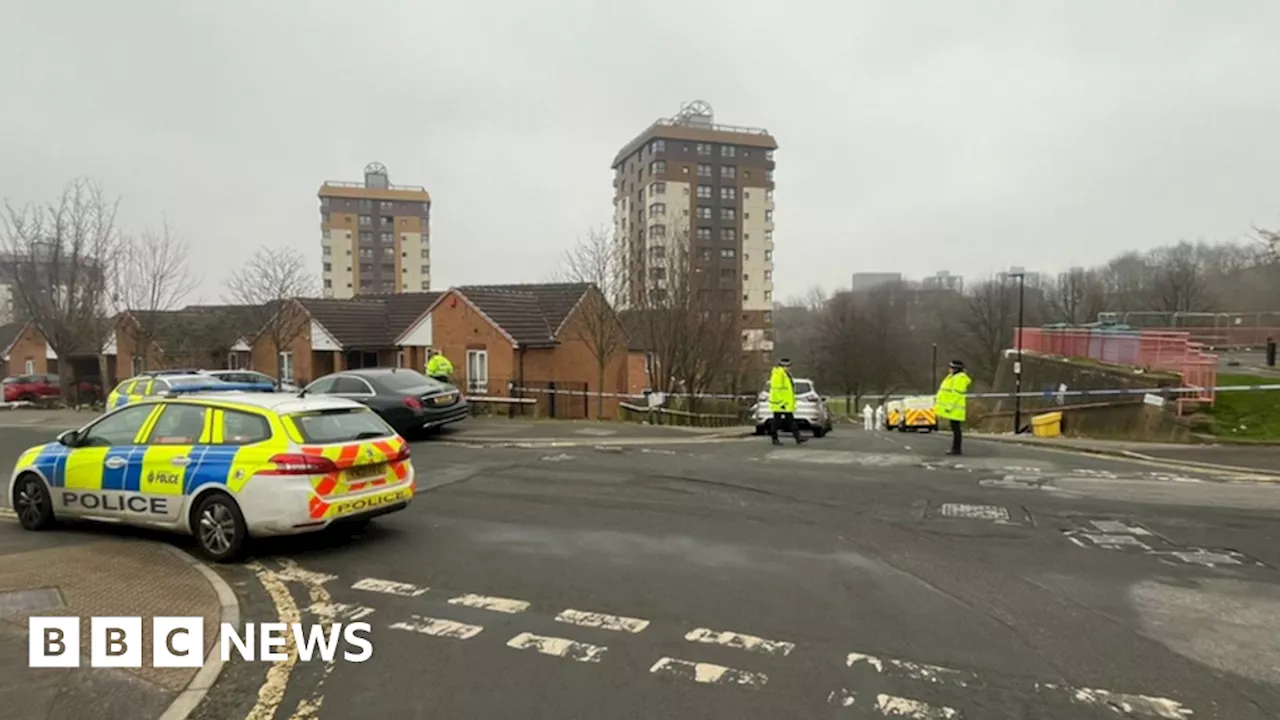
point(34, 388)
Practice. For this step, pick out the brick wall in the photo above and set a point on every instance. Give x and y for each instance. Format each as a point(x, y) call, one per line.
point(127, 347)
point(573, 361)
point(457, 327)
point(264, 350)
point(30, 345)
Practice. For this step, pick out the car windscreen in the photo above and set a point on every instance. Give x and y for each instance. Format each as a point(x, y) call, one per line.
point(408, 382)
point(340, 425)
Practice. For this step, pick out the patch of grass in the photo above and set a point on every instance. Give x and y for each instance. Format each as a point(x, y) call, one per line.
point(1253, 415)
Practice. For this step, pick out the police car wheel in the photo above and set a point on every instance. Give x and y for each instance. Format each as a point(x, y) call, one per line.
point(32, 503)
point(219, 528)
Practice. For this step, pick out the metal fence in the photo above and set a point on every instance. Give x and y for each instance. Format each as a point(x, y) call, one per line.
point(1170, 351)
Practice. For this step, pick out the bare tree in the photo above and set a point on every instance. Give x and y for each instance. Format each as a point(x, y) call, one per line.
point(986, 323)
point(599, 261)
point(263, 289)
point(1076, 296)
point(1178, 282)
point(59, 259)
point(153, 278)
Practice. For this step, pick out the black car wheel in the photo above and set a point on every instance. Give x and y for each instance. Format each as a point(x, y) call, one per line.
point(32, 503)
point(219, 527)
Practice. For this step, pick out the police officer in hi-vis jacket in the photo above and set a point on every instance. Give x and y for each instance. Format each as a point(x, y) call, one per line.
point(782, 401)
point(950, 403)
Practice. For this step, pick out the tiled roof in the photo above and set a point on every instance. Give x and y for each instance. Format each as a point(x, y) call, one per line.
point(403, 309)
point(8, 334)
point(245, 320)
point(179, 330)
point(531, 313)
point(353, 323)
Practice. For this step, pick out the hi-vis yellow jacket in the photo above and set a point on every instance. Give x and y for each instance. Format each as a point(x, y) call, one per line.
point(951, 396)
point(782, 391)
point(439, 365)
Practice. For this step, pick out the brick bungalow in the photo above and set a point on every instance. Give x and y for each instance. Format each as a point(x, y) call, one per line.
point(24, 351)
point(326, 335)
point(193, 337)
point(527, 336)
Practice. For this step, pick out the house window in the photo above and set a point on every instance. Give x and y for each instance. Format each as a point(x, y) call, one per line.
point(285, 360)
point(658, 145)
point(768, 175)
point(657, 252)
point(324, 217)
point(233, 361)
point(768, 216)
point(477, 372)
point(727, 151)
point(29, 367)
point(728, 193)
point(768, 237)
point(366, 204)
point(658, 209)
point(704, 191)
point(657, 167)
point(328, 267)
point(425, 253)
point(366, 236)
point(704, 233)
point(728, 172)
point(727, 213)
point(136, 365)
point(727, 253)
point(384, 205)
point(768, 296)
point(768, 154)
point(704, 170)
point(728, 234)
point(768, 316)
point(768, 195)
point(388, 238)
point(658, 188)
point(365, 253)
point(324, 202)
point(704, 212)
point(365, 221)
point(768, 276)
point(704, 254)
point(400, 359)
point(426, 285)
point(704, 148)
point(746, 175)
point(389, 253)
point(326, 250)
point(328, 283)
point(768, 256)
point(426, 269)
point(657, 231)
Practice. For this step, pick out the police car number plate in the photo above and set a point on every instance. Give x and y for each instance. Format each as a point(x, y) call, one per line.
point(360, 472)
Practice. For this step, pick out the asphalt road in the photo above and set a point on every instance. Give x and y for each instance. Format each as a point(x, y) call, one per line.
point(862, 575)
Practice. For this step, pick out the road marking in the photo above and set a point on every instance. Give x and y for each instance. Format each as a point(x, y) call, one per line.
point(331, 611)
point(308, 707)
point(897, 707)
point(740, 641)
point(273, 688)
point(1132, 705)
point(617, 623)
point(557, 647)
point(496, 604)
point(8, 514)
point(923, 672)
point(389, 587)
point(708, 673)
point(439, 628)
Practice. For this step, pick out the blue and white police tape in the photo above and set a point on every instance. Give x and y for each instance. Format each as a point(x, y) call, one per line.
point(1049, 393)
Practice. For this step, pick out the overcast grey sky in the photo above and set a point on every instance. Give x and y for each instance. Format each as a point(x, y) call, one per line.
point(914, 136)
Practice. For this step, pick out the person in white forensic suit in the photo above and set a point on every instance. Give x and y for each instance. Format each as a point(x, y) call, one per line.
point(879, 416)
point(867, 417)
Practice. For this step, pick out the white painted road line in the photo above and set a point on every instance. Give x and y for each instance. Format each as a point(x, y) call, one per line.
point(739, 641)
point(557, 647)
point(389, 587)
point(708, 673)
point(894, 706)
point(916, 671)
point(1131, 705)
point(340, 611)
point(617, 623)
point(496, 604)
point(439, 628)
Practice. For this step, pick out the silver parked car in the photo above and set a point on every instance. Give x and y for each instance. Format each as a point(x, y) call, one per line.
point(811, 410)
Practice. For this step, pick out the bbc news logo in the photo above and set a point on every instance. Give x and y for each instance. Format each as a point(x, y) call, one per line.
point(178, 642)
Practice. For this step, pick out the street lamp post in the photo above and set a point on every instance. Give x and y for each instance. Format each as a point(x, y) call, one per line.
point(1017, 364)
point(933, 369)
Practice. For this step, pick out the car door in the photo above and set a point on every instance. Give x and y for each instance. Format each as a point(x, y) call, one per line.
point(173, 446)
point(95, 469)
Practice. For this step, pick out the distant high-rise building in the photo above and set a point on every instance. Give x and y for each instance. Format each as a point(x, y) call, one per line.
point(943, 280)
point(375, 236)
point(1029, 279)
point(872, 280)
point(688, 179)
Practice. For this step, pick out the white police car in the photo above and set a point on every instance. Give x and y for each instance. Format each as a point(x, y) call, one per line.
point(223, 467)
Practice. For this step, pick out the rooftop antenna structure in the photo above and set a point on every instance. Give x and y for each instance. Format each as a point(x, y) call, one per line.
point(375, 176)
point(697, 113)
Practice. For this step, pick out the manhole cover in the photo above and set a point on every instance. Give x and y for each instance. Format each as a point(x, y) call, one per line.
point(974, 512)
point(19, 602)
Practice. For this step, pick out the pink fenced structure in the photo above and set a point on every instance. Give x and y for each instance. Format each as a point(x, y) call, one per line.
point(1170, 351)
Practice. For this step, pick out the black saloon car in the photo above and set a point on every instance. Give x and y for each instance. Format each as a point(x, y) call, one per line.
point(408, 400)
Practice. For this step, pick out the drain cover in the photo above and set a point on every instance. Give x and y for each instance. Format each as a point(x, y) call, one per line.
point(29, 601)
point(974, 512)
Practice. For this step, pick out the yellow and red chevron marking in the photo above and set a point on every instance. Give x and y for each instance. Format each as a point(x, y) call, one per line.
point(331, 485)
point(920, 418)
